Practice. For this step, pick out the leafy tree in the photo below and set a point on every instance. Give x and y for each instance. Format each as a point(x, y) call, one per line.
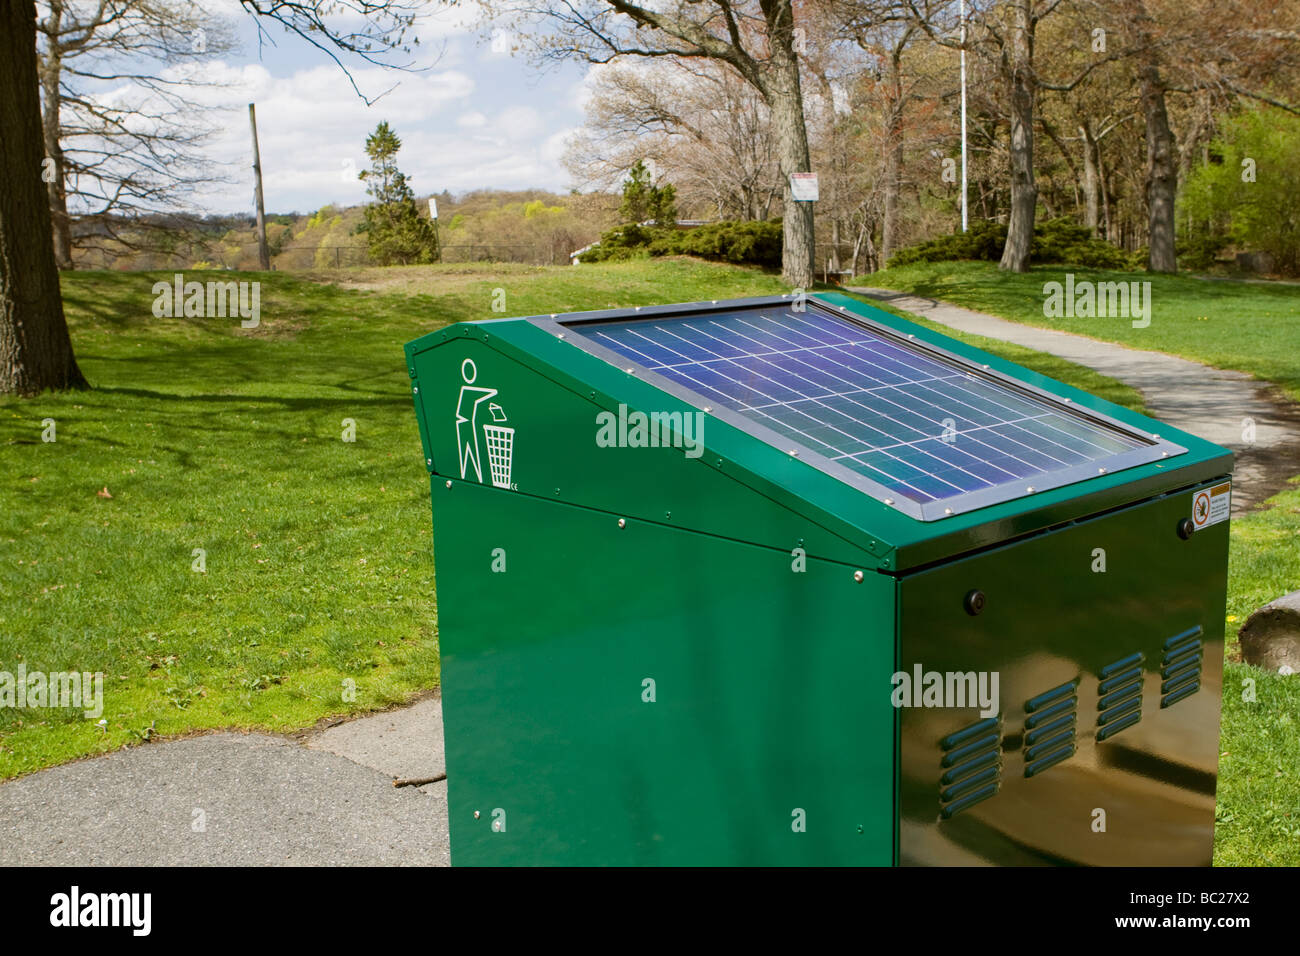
point(643, 200)
point(394, 229)
point(1253, 194)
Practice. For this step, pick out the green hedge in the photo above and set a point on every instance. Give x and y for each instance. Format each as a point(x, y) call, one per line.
point(747, 243)
point(1058, 241)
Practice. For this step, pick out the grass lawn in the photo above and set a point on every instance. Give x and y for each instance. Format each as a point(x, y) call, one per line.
point(1259, 780)
point(1252, 327)
point(318, 552)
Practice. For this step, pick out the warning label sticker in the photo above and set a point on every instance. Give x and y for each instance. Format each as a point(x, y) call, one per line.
point(1211, 505)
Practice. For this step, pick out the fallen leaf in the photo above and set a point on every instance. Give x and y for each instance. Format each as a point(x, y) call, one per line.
point(103, 492)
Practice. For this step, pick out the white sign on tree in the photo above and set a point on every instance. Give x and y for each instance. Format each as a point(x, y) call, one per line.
point(803, 187)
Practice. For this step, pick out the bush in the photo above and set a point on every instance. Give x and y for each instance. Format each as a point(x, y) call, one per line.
point(1058, 241)
point(1201, 252)
point(744, 243)
point(747, 243)
point(983, 242)
point(1065, 242)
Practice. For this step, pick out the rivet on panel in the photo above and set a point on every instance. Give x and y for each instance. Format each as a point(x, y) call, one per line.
point(859, 576)
point(448, 482)
point(622, 522)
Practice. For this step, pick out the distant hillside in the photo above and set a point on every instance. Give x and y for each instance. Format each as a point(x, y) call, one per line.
point(529, 226)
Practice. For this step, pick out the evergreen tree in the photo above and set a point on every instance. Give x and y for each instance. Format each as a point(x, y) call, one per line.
point(643, 200)
point(395, 231)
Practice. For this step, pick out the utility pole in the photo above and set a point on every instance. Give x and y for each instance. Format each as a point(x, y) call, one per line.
point(963, 115)
point(262, 256)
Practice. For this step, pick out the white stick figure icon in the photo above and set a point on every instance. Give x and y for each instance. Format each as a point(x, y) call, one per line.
point(471, 397)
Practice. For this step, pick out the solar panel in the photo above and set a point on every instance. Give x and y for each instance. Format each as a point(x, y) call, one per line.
point(920, 429)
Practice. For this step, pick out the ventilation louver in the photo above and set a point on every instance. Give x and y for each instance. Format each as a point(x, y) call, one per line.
point(1119, 696)
point(972, 766)
point(1180, 668)
point(1050, 728)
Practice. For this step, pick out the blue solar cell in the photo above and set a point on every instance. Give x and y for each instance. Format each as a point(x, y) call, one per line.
point(918, 423)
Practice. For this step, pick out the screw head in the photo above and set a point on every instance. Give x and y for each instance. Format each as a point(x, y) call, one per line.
point(622, 522)
point(415, 389)
point(448, 482)
point(973, 602)
point(1186, 528)
point(475, 814)
point(859, 576)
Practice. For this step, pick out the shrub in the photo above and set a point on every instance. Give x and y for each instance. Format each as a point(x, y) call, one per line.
point(746, 243)
point(1058, 241)
point(983, 242)
point(1201, 251)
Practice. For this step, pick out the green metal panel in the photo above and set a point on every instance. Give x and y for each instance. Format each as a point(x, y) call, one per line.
point(897, 541)
point(769, 684)
point(555, 455)
point(1050, 617)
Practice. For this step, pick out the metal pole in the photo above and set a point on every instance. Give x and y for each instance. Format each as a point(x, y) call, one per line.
point(963, 116)
point(262, 256)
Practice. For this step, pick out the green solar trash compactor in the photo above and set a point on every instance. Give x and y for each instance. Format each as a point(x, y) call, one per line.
point(792, 580)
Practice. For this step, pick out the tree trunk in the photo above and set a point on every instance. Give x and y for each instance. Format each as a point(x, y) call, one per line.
point(51, 70)
point(1024, 192)
point(785, 100)
point(893, 157)
point(35, 349)
point(1091, 178)
point(1161, 173)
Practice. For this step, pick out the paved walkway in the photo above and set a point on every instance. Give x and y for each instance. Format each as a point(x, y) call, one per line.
point(326, 797)
point(323, 799)
point(1208, 402)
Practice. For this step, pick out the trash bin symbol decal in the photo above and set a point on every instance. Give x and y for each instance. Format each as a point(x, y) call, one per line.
point(500, 438)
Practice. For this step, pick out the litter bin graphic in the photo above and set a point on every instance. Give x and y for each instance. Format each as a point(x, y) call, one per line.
point(796, 581)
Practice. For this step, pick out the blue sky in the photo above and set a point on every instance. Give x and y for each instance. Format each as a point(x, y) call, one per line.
point(476, 118)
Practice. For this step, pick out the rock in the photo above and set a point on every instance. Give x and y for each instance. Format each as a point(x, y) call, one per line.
point(1270, 638)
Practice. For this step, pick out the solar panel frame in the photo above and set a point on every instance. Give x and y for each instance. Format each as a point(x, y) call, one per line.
point(577, 328)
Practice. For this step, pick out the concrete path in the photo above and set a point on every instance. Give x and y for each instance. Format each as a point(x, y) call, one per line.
point(229, 799)
point(1208, 402)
